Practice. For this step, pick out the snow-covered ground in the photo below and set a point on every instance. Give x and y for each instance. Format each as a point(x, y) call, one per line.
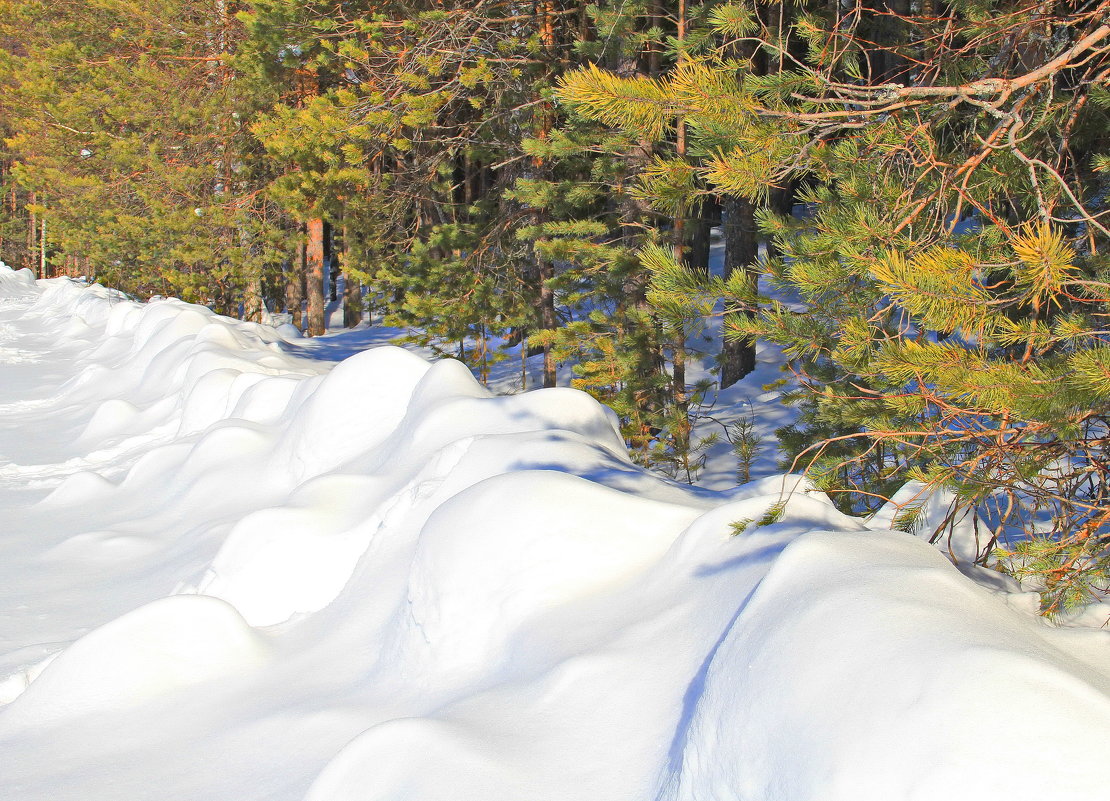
point(231, 572)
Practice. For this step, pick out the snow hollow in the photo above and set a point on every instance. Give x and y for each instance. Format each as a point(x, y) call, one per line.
point(228, 573)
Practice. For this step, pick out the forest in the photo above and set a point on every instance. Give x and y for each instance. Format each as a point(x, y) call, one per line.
point(929, 181)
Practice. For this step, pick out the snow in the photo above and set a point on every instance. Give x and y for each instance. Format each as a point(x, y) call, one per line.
point(231, 571)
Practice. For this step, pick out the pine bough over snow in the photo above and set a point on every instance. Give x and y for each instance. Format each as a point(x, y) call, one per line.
point(229, 573)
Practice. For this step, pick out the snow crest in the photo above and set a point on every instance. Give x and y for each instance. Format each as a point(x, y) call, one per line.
point(230, 572)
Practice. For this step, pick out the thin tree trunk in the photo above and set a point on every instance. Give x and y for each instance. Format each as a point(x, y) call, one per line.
point(294, 285)
point(352, 302)
point(548, 319)
point(314, 277)
point(523, 362)
point(681, 399)
point(737, 357)
point(741, 233)
point(252, 291)
point(252, 296)
point(352, 289)
point(656, 15)
point(900, 66)
point(331, 263)
point(32, 236)
point(42, 249)
point(700, 235)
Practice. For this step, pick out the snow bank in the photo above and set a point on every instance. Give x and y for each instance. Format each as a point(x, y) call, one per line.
point(173, 642)
point(16, 283)
point(227, 572)
point(924, 689)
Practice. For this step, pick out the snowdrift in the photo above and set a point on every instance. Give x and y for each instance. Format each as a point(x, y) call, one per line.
point(231, 573)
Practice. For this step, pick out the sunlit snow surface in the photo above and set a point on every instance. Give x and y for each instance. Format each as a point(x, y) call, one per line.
point(227, 573)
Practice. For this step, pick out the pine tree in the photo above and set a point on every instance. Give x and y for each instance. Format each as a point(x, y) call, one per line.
point(662, 199)
point(952, 265)
point(126, 127)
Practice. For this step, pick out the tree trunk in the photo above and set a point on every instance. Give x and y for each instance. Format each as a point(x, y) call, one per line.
point(42, 249)
point(681, 398)
point(32, 236)
point(252, 297)
point(737, 357)
point(352, 302)
point(331, 264)
point(352, 289)
point(252, 292)
point(548, 320)
point(700, 235)
point(294, 285)
point(314, 277)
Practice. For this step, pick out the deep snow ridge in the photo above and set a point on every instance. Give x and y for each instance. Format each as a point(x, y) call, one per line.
point(230, 573)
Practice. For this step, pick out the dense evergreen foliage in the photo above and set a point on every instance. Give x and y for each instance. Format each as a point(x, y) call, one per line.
point(949, 254)
point(929, 183)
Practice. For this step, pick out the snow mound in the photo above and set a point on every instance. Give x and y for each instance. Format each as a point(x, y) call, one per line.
point(390, 762)
point(14, 283)
point(882, 649)
point(146, 654)
point(508, 549)
point(233, 574)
